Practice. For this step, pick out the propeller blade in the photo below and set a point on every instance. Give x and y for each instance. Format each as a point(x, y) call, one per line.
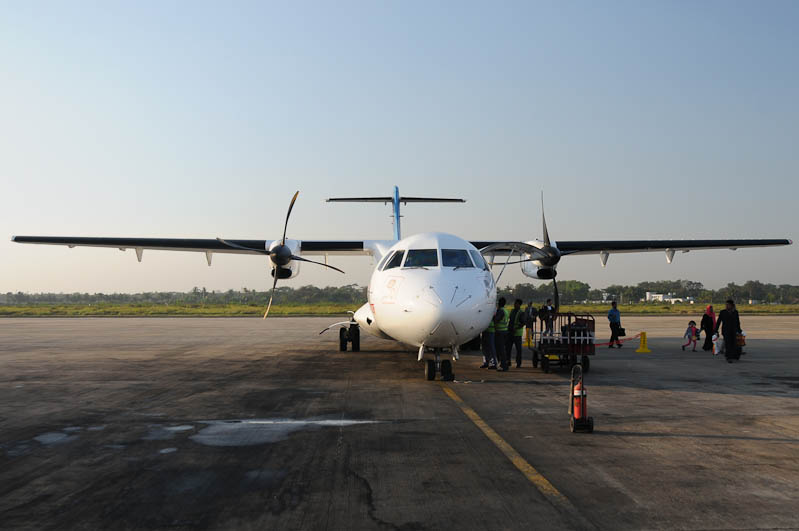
point(243, 248)
point(544, 219)
point(291, 205)
point(301, 259)
point(271, 295)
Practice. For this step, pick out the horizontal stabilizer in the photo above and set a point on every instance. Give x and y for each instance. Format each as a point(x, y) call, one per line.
point(360, 199)
point(396, 200)
point(387, 199)
point(431, 200)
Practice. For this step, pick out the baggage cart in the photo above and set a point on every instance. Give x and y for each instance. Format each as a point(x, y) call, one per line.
point(568, 342)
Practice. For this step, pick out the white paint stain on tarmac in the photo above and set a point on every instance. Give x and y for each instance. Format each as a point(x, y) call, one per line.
point(54, 437)
point(163, 433)
point(252, 432)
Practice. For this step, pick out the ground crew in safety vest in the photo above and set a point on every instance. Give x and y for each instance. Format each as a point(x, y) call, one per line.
point(515, 331)
point(501, 321)
point(489, 350)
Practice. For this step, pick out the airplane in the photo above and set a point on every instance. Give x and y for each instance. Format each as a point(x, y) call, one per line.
point(431, 291)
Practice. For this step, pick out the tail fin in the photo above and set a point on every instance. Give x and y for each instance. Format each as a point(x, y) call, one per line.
point(395, 200)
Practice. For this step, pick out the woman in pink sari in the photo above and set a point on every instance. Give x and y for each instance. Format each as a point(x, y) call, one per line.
point(708, 325)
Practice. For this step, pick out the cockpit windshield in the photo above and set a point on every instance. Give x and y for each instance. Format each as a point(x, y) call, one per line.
point(395, 260)
point(422, 258)
point(383, 261)
point(455, 258)
point(478, 259)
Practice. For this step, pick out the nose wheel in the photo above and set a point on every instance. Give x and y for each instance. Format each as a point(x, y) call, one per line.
point(446, 371)
point(431, 366)
point(430, 370)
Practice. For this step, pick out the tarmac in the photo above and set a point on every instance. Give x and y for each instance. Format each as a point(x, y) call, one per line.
point(234, 423)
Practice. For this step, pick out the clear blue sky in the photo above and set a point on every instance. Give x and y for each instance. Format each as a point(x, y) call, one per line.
point(638, 120)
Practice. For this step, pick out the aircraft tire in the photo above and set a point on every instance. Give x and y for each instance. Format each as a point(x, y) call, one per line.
point(586, 363)
point(430, 370)
point(355, 337)
point(342, 339)
point(446, 371)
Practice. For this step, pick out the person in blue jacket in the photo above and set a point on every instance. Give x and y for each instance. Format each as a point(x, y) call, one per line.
point(614, 316)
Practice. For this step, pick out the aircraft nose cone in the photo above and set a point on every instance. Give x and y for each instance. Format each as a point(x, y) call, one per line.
point(442, 319)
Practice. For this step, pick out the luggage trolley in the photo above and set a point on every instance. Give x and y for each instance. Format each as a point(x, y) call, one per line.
point(570, 342)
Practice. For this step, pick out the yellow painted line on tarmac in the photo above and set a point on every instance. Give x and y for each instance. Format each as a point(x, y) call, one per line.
point(536, 478)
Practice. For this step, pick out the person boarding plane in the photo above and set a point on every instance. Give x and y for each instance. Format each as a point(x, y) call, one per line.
point(432, 291)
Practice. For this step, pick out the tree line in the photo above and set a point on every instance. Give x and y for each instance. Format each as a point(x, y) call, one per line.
point(352, 294)
point(575, 291)
point(571, 291)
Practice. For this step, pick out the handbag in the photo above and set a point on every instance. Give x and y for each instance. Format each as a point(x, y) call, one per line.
point(621, 332)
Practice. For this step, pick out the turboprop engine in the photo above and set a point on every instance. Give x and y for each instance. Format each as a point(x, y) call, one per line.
point(283, 255)
point(284, 269)
point(532, 270)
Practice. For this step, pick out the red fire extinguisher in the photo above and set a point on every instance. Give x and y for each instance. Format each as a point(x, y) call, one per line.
point(578, 403)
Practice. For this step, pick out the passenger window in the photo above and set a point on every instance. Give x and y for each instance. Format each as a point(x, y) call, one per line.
point(455, 258)
point(395, 261)
point(422, 258)
point(478, 259)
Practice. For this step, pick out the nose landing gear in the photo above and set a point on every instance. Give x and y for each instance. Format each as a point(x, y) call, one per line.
point(436, 360)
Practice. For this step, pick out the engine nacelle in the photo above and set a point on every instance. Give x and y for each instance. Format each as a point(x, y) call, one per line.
point(533, 270)
point(285, 272)
point(290, 270)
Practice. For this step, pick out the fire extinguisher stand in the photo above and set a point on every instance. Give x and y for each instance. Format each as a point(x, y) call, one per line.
point(579, 421)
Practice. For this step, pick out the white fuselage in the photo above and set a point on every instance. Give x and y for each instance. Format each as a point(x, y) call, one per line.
point(431, 289)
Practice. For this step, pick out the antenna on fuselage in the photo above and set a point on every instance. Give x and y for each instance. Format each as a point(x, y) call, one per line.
point(395, 201)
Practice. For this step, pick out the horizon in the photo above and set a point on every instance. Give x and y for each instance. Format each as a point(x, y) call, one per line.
point(506, 287)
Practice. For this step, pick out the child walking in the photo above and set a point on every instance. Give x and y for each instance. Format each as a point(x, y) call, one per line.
point(691, 334)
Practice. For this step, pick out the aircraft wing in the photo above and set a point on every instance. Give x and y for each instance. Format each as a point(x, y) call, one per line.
point(639, 246)
point(210, 245)
point(631, 246)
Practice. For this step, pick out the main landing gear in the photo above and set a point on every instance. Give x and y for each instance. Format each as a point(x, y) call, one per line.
point(436, 360)
point(349, 335)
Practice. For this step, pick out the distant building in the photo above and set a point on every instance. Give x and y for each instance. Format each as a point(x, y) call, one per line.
point(668, 297)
